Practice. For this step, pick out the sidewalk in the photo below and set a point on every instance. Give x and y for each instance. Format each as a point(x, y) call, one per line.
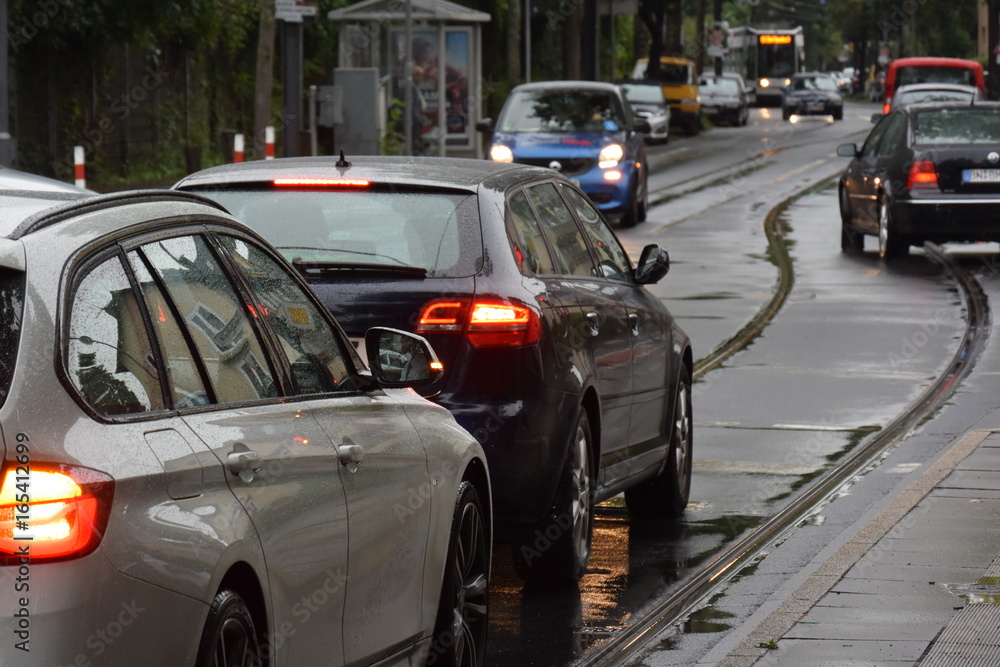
point(916, 584)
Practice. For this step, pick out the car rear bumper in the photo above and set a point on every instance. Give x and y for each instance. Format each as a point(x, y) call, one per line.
point(945, 219)
point(84, 612)
point(525, 443)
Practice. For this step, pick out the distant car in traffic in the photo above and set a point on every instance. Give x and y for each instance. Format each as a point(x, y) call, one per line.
point(649, 103)
point(926, 172)
point(923, 69)
point(192, 446)
point(679, 79)
point(570, 372)
point(722, 100)
point(749, 91)
point(930, 92)
point(812, 94)
point(583, 129)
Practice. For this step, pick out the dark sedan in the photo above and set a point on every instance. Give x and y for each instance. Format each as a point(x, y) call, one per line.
point(572, 375)
point(722, 99)
point(812, 94)
point(926, 172)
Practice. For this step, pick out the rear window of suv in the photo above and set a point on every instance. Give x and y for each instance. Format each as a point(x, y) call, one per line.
point(438, 231)
point(11, 309)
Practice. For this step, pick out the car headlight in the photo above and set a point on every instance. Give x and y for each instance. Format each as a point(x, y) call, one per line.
point(500, 153)
point(610, 155)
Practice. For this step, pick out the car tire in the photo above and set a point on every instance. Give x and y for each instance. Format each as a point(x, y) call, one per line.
point(838, 114)
point(557, 551)
point(643, 206)
point(229, 631)
point(890, 245)
point(631, 216)
point(785, 114)
point(692, 125)
point(851, 239)
point(667, 494)
point(460, 629)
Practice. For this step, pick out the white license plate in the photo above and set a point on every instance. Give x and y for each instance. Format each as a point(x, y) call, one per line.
point(816, 107)
point(981, 176)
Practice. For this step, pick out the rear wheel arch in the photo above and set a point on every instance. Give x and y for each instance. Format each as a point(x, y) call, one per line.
point(591, 404)
point(242, 579)
point(477, 474)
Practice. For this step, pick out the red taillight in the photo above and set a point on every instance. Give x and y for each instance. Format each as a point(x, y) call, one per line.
point(887, 105)
point(321, 182)
point(486, 322)
point(52, 511)
point(923, 175)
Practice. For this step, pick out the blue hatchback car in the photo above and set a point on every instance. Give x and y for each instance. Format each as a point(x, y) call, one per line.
point(584, 129)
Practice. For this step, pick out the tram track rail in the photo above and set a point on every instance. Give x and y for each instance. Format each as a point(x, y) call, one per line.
point(742, 552)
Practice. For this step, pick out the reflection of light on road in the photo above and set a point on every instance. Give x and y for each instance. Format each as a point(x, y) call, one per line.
point(765, 113)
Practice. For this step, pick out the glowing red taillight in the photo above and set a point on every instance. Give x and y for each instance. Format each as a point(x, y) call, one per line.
point(887, 105)
point(486, 322)
point(923, 175)
point(52, 511)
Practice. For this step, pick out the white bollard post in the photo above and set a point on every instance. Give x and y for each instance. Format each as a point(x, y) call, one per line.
point(269, 142)
point(79, 170)
point(238, 148)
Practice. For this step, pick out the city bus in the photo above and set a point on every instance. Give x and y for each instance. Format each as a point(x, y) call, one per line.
point(766, 57)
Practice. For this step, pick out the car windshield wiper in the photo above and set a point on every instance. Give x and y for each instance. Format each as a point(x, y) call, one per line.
point(312, 267)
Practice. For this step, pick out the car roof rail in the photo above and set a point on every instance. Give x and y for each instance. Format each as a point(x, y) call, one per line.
point(50, 217)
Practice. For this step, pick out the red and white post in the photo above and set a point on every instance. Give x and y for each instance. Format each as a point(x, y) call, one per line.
point(269, 142)
point(79, 171)
point(238, 148)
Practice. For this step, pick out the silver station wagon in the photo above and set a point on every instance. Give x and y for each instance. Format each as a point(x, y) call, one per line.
point(198, 468)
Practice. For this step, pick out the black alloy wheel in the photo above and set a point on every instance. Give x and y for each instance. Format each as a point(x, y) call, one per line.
point(890, 245)
point(229, 638)
point(557, 551)
point(460, 630)
point(667, 494)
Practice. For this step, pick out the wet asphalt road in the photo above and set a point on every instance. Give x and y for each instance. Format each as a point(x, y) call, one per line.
point(852, 346)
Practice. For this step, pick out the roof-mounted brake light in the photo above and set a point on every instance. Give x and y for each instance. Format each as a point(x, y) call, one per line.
point(321, 182)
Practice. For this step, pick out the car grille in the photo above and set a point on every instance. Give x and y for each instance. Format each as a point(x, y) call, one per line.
point(570, 166)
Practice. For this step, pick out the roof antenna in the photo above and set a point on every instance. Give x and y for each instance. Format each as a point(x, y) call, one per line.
point(342, 162)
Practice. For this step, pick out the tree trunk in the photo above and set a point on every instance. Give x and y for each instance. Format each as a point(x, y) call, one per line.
point(264, 82)
point(514, 30)
point(572, 28)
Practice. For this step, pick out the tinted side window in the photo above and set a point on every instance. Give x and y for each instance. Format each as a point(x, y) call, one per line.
point(528, 245)
point(218, 323)
point(11, 308)
point(184, 379)
point(561, 231)
point(109, 356)
point(875, 136)
point(613, 262)
point(306, 338)
point(891, 138)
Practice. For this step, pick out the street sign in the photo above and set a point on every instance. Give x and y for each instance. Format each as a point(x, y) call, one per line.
point(293, 11)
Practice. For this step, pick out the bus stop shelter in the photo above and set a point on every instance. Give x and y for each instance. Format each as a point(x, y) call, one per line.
point(445, 43)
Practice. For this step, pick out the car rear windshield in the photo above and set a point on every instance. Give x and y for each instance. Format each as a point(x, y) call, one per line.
point(561, 111)
point(643, 93)
point(962, 125)
point(935, 74)
point(434, 230)
point(11, 309)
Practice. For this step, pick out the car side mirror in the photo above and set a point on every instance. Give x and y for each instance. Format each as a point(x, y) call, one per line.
point(654, 263)
point(847, 150)
point(641, 125)
point(401, 359)
point(485, 125)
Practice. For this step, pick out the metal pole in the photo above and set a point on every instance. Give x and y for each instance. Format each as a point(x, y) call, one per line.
point(313, 148)
point(7, 145)
point(407, 79)
point(527, 41)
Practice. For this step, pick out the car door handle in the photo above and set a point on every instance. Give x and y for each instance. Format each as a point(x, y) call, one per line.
point(633, 322)
point(244, 462)
point(351, 456)
point(593, 325)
